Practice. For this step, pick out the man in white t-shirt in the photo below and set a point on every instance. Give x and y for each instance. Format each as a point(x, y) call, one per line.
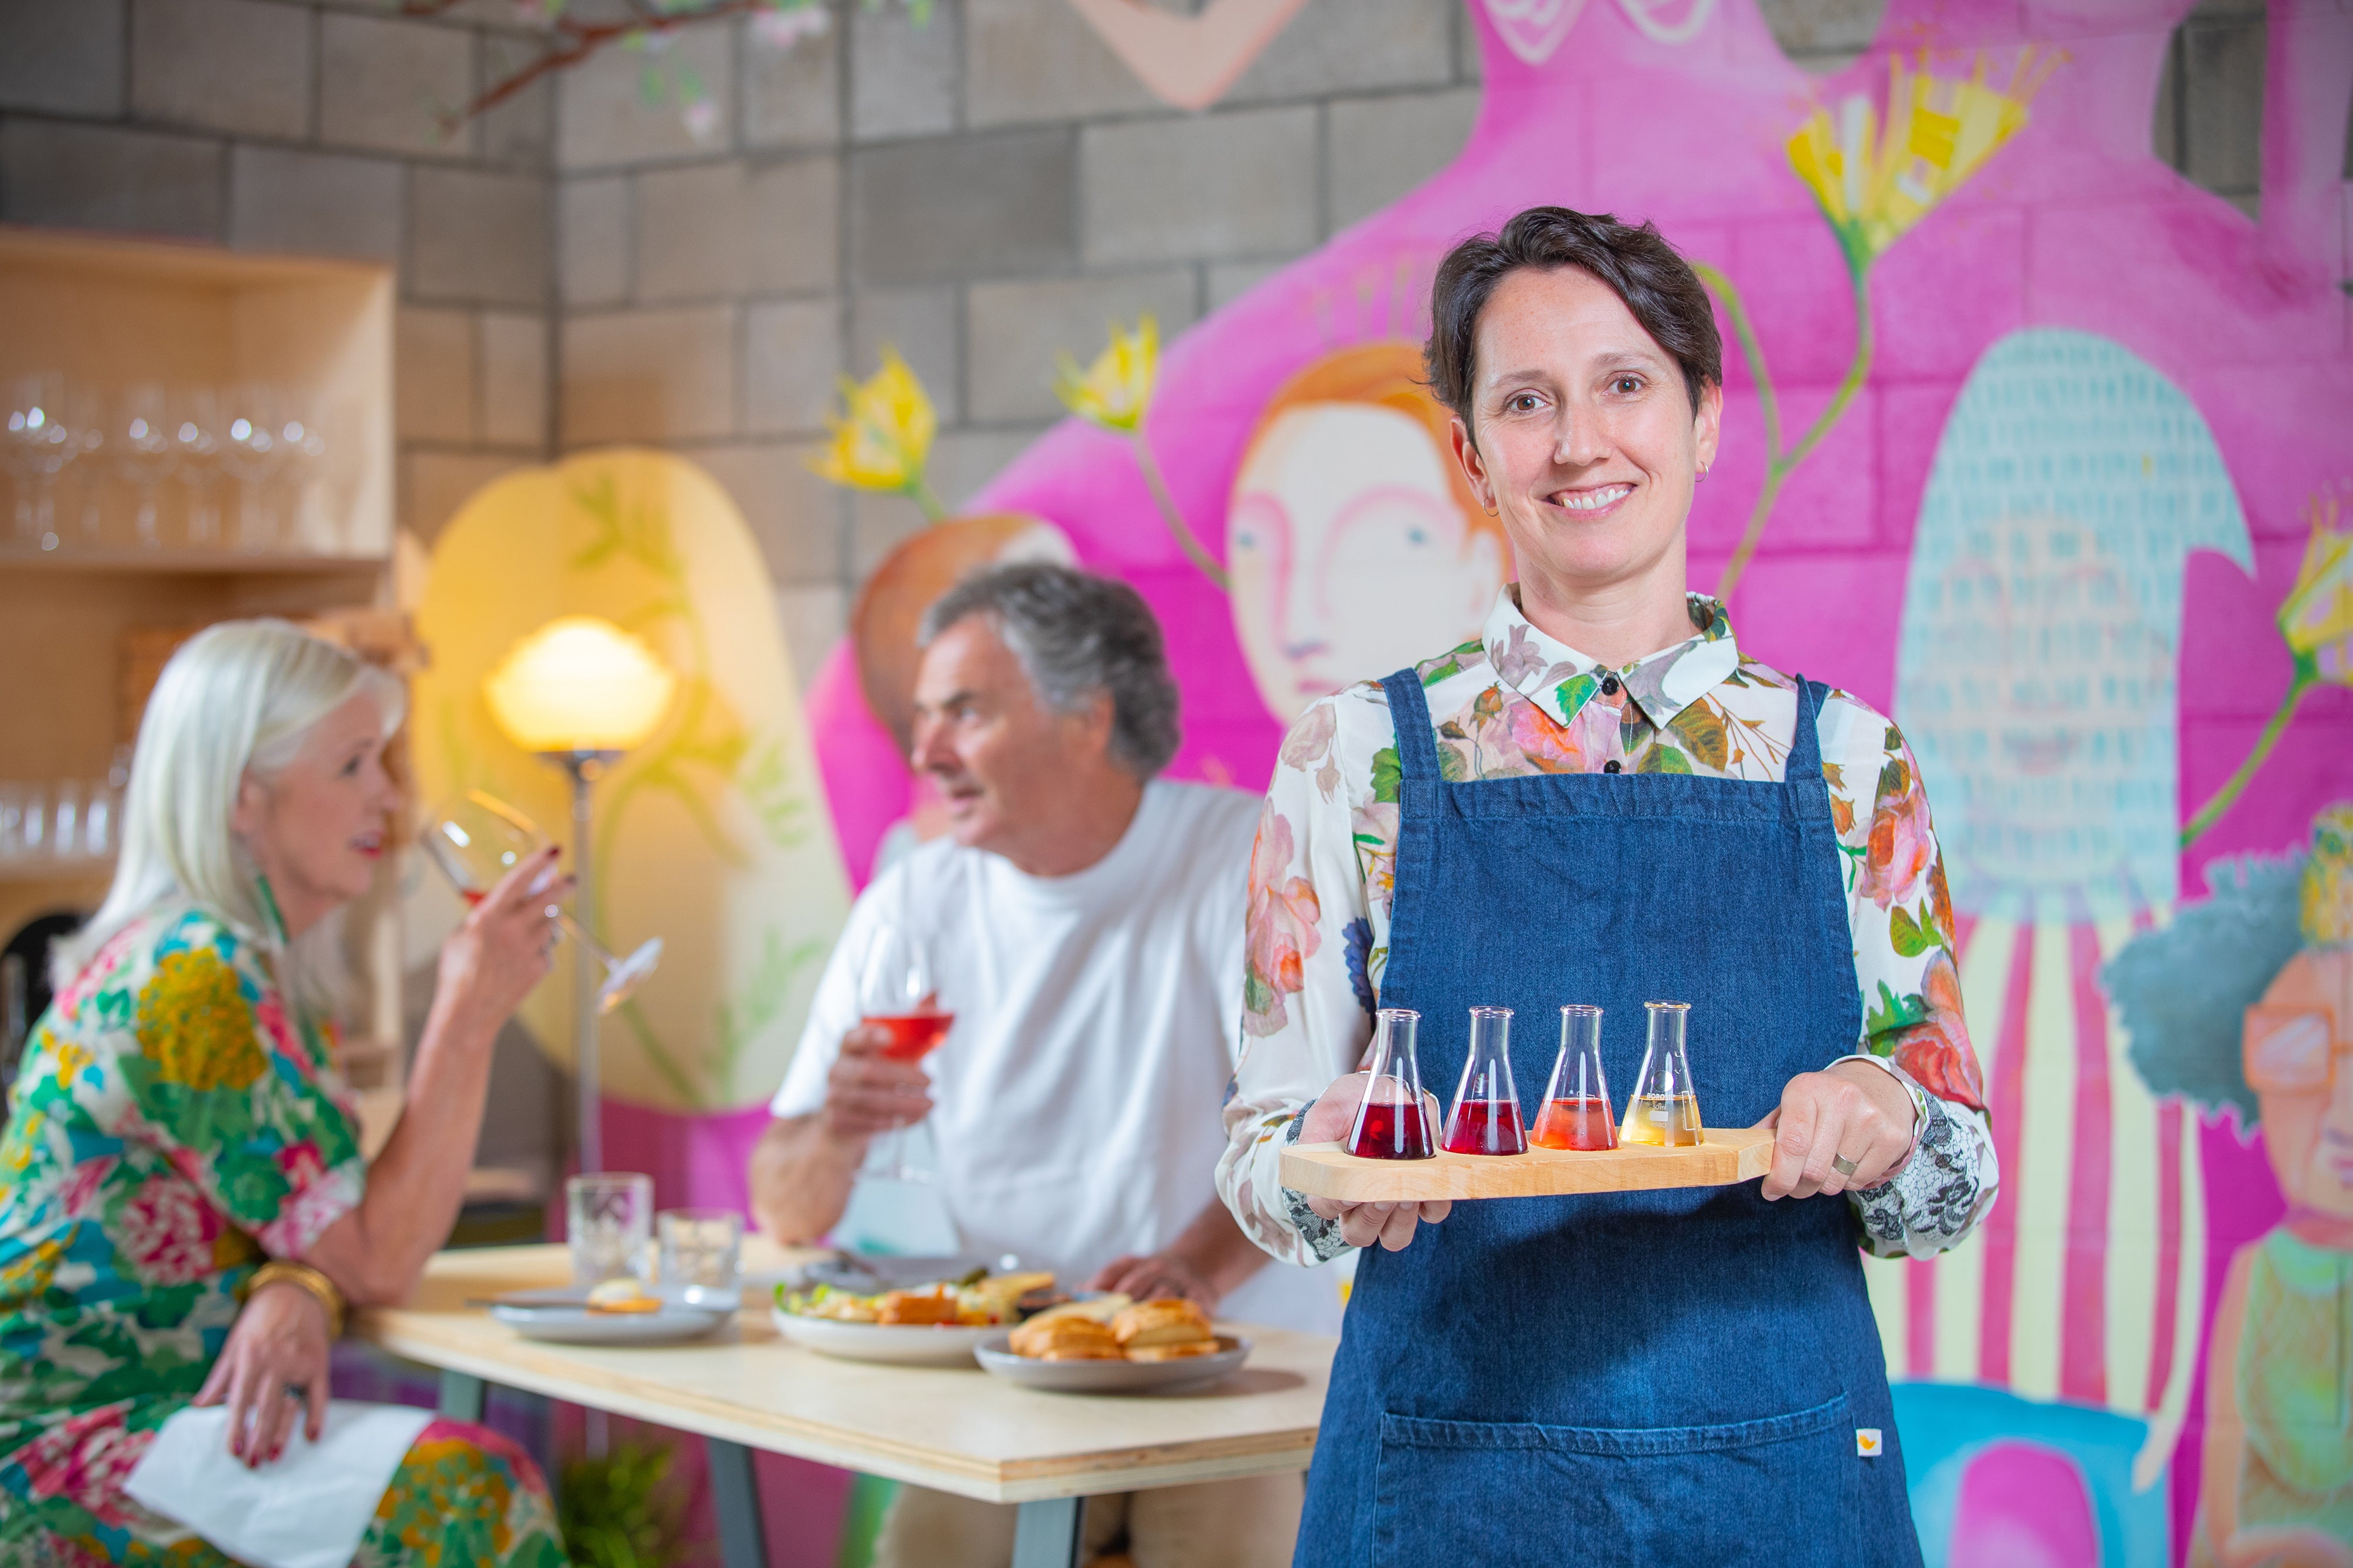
point(1082, 921)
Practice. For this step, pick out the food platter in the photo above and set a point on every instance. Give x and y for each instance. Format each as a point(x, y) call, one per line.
point(1725, 1156)
point(996, 1355)
point(895, 1344)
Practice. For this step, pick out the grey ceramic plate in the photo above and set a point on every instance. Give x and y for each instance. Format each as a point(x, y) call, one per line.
point(1109, 1376)
point(556, 1316)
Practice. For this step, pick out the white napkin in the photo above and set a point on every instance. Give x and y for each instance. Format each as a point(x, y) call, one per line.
point(306, 1510)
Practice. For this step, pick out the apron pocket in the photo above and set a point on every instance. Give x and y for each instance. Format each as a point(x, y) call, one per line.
point(1778, 1490)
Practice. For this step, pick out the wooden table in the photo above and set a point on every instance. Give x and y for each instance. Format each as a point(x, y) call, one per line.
point(957, 1431)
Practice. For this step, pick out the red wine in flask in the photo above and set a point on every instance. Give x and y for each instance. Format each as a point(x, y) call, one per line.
point(1486, 1119)
point(1392, 1120)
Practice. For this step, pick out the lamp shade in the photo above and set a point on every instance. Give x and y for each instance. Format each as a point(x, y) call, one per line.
point(579, 684)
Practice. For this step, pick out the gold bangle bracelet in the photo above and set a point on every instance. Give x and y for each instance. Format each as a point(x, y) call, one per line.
point(285, 1271)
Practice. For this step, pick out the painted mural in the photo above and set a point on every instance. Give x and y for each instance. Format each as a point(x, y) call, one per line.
point(2028, 441)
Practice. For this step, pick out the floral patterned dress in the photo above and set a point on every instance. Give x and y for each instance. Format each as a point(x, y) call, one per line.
point(173, 1124)
point(1516, 702)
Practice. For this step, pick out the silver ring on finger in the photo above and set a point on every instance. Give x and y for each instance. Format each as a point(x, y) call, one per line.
point(1842, 1165)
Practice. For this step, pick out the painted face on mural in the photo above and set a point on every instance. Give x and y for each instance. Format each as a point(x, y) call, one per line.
point(1587, 445)
point(2301, 1068)
point(1349, 554)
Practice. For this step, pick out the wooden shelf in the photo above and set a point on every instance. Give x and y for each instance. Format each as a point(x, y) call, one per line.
point(56, 868)
point(184, 562)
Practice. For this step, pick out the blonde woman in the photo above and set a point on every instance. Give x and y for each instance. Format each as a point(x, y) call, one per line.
point(184, 1211)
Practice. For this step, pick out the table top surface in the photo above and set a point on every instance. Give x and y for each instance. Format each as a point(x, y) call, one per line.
point(954, 1430)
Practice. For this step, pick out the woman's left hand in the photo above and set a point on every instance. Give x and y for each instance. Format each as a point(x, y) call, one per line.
point(1850, 1111)
point(275, 1356)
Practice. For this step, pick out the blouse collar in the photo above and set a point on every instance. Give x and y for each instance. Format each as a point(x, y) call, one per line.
point(1561, 680)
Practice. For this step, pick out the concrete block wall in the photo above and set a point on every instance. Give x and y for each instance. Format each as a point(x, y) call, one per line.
point(579, 266)
point(264, 125)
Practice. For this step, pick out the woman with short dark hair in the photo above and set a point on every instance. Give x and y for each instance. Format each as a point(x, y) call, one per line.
point(1602, 800)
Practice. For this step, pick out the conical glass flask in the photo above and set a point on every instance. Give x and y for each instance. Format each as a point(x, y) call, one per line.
point(1577, 1113)
point(1393, 1120)
point(1486, 1116)
point(1665, 1109)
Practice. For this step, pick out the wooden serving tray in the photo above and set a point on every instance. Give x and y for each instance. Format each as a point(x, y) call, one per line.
point(1728, 1155)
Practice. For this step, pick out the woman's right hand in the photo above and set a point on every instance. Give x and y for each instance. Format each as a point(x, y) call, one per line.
point(1330, 1121)
point(504, 946)
point(272, 1371)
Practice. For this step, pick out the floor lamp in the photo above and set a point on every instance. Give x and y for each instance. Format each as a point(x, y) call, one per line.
point(580, 691)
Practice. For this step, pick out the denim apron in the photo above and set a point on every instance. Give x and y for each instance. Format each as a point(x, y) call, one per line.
point(1653, 1378)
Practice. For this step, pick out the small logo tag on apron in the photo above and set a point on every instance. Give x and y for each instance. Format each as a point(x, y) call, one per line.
point(1866, 1442)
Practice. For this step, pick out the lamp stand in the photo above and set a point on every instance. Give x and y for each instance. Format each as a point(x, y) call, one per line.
point(585, 768)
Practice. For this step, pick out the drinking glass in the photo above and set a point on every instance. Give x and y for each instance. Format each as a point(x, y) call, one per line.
point(1576, 1112)
point(476, 838)
point(12, 801)
point(1486, 1115)
point(141, 442)
point(65, 819)
point(896, 994)
point(250, 453)
point(608, 1223)
point(702, 1250)
point(40, 444)
point(1665, 1107)
point(192, 419)
point(302, 452)
point(1393, 1119)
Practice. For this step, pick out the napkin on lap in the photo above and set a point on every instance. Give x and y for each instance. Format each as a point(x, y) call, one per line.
point(306, 1510)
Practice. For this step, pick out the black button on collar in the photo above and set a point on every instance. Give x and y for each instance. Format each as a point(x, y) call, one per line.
point(1611, 766)
point(1609, 686)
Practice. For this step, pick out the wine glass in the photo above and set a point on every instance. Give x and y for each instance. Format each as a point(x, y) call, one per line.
point(192, 419)
point(302, 448)
point(143, 452)
point(476, 838)
point(40, 444)
point(896, 994)
point(250, 453)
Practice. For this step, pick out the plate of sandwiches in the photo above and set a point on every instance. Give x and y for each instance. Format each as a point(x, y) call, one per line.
point(1134, 1348)
point(618, 1311)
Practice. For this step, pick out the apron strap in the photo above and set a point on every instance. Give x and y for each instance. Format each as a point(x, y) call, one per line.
point(1806, 749)
point(1409, 712)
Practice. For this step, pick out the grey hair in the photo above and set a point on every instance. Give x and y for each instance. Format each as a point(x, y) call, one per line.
point(1077, 635)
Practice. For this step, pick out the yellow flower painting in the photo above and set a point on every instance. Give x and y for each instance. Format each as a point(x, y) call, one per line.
point(1114, 391)
point(883, 439)
point(1877, 173)
point(1875, 170)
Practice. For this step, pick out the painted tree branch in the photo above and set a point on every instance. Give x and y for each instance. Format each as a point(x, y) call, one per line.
point(576, 42)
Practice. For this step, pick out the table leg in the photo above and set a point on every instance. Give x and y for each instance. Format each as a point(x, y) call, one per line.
point(736, 1498)
point(1046, 1533)
point(462, 1396)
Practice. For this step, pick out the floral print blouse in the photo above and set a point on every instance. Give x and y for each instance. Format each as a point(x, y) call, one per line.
point(173, 1125)
point(1517, 702)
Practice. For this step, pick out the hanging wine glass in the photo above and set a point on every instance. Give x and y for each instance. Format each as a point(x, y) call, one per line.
point(896, 994)
point(476, 838)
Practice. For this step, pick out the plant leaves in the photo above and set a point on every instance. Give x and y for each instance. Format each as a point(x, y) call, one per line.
point(1663, 759)
point(1386, 775)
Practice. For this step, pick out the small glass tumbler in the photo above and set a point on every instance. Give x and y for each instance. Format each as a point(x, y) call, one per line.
point(609, 1220)
point(702, 1249)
